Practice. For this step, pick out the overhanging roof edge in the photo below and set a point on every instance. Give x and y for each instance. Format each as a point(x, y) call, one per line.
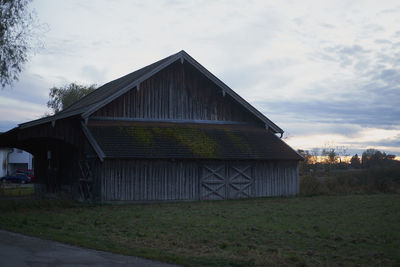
point(47, 119)
point(232, 93)
point(130, 86)
point(182, 55)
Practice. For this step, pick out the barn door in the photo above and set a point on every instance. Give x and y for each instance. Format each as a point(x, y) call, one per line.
point(240, 180)
point(212, 182)
point(226, 181)
point(85, 182)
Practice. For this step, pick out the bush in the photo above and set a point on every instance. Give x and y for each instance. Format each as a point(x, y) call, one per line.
point(309, 185)
point(385, 180)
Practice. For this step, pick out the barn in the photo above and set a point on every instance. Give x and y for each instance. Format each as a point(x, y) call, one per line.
point(168, 131)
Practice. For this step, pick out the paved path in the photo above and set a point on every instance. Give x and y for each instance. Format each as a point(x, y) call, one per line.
point(19, 250)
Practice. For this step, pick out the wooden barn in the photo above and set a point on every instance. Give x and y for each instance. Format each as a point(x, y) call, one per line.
point(168, 131)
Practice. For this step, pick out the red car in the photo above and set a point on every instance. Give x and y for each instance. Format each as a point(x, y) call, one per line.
point(27, 172)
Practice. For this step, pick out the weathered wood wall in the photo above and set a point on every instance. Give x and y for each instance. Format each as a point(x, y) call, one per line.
point(276, 178)
point(68, 131)
point(178, 92)
point(157, 180)
point(69, 151)
point(143, 180)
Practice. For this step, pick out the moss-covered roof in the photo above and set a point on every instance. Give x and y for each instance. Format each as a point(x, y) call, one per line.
point(192, 141)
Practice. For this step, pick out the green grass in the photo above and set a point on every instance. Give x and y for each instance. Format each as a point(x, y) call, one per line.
point(16, 191)
point(323, 230)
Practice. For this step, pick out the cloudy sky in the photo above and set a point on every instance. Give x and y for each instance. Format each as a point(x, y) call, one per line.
point(327, 72)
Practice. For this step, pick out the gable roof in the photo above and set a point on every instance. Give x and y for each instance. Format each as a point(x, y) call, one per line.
point(127, 139)
point(110, 91)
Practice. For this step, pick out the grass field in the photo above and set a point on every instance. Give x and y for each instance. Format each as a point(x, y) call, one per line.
point(324, 230)
point(16, 190)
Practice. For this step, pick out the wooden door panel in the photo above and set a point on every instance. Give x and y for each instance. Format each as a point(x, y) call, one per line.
point(212, 182)
point(240, 181)
point(226, 181)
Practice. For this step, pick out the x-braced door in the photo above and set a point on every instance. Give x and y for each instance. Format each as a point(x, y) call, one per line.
point(226, 181)
point(212, 182)
point(85, 182)
point(240, 180)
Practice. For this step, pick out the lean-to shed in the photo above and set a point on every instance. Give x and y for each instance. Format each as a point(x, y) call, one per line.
point(168, 131)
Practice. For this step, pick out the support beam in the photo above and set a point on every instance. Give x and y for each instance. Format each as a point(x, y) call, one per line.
point(93, 142)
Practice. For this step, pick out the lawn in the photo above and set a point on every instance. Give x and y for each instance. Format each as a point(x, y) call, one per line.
point(16, 190)
point(323, 230)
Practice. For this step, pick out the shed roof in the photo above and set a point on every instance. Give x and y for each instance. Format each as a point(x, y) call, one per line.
point(186, 140)
point(110, 91)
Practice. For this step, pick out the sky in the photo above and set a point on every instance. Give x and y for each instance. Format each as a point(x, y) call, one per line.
point(326, 72)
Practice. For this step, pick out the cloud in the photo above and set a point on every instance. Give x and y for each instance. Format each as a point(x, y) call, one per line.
point(301, 128)
point(327, 68)
point(388, 142)
point(345, 55)
point(7, 125)
point(389, 76)
point(362, 112)
point(92, 73)
point(31, 88)
point(328, 26)
point(382, 41)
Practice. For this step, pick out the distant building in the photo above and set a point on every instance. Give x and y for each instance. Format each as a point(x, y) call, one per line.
point(12, 159)
point(19, 159)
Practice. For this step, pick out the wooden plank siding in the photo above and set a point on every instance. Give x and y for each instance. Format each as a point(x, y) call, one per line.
point(147, 180)
point(179, 92)
point(159, 180)
point(276, 178)
point(68, 131)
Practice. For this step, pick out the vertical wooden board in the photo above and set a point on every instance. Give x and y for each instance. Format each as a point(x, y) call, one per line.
point(267, 179)
point(177, 190)
point(137, 178)
point(267, 185)
point(270, 178)
point(284, 180)
point(124, 181)
point(151, 181)
point(293, 179)
point(257, 181)
point(297, 180)
point(276, 177)
point(138, 181)
point(278, 180)
point(164, 185)
point(185, 177)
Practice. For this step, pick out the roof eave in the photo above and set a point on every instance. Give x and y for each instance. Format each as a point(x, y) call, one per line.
point(51, 119)
point(130, 86)
point(182, 55)
point(232, 93)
